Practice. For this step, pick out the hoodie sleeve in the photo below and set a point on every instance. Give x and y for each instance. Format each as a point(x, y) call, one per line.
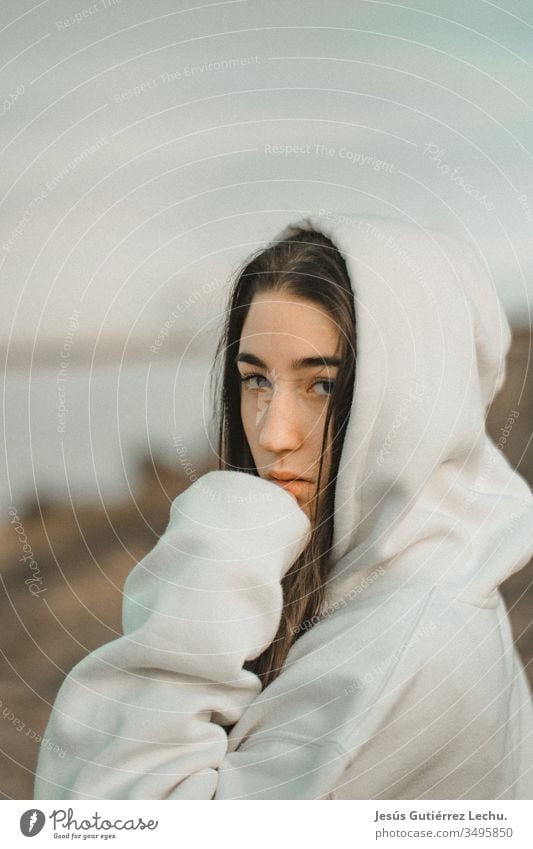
point(142, 717)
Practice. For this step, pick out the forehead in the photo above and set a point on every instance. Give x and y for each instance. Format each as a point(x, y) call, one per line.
point(279, 321)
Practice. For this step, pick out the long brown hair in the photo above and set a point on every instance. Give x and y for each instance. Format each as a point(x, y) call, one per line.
point(306, 264)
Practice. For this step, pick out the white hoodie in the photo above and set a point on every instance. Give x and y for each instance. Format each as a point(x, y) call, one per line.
point(408, 686)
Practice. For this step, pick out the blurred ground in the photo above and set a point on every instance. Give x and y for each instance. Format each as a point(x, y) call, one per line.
point(85, 554)
point(517, 397)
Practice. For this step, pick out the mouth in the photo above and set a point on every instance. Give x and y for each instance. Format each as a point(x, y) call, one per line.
point(295, 485)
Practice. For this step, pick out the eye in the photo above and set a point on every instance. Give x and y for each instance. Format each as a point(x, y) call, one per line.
point(328, 384)
point(248, 381)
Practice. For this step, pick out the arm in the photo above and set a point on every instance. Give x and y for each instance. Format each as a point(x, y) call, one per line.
point(142, 716)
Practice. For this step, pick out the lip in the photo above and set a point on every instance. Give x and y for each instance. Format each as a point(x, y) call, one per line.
point(286, 476)
point(296, 487)
point(290, 482)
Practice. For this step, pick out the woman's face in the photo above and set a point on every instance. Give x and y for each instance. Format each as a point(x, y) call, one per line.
point(288, 360)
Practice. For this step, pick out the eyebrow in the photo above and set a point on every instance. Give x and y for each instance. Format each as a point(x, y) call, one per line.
point(301, 363)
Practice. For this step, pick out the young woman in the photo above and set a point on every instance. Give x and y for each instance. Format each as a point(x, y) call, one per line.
point(321, 618)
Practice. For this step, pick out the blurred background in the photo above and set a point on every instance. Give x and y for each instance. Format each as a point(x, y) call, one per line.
point(145, 150)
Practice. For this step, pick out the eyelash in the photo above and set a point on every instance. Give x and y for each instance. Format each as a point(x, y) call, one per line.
point(247, 377)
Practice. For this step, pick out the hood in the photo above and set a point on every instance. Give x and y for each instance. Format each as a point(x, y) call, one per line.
point(422, 489)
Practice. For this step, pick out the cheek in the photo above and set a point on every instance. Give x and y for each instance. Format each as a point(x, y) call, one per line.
point(247, 419)
point(315, 444)
point(315, 429)
point(315, 447)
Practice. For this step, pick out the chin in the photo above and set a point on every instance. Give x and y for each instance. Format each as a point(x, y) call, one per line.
point(306, 506)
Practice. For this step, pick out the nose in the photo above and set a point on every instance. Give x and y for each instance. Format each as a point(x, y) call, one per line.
point(278, 422)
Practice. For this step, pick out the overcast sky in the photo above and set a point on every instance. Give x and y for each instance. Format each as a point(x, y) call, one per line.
point(147, 147)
